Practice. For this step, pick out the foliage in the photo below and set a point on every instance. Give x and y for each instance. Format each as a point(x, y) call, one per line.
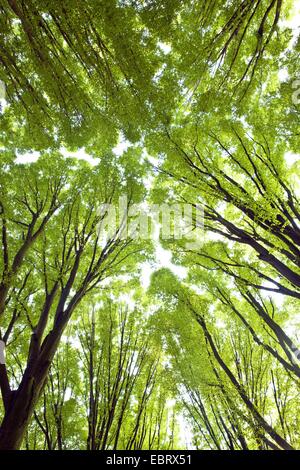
point(203, 97)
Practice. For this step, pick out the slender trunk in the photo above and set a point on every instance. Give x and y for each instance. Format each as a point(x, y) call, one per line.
point(255, 413)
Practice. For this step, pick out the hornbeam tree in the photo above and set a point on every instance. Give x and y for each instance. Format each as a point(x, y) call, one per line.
point(58, 421)
point(53, 256)
point(75, 71)
point(170, 102)
point(125, 394)
point(124, 402)
point(225, 364)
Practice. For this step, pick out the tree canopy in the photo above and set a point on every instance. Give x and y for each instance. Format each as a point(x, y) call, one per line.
point(149, 225)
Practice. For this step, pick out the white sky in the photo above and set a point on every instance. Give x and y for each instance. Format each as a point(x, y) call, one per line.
point(293, 21)
point(80, 154)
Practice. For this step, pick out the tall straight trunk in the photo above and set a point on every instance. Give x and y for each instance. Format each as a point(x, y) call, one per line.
point(22, 402)
point(282, 443)
point(19, 411)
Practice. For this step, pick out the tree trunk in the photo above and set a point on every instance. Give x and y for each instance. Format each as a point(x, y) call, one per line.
point(255, 413)
point(22, 402)
point(18, 413)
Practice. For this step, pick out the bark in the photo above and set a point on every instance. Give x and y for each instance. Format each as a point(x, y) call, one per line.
point(19, 411)
point(22, 402)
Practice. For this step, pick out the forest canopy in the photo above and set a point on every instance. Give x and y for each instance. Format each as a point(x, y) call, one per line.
point(149, 225)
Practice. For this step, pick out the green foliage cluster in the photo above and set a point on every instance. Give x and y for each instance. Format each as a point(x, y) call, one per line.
point(203, 96)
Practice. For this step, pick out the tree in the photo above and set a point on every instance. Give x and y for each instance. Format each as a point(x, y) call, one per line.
point(65, 260)
point(114, 379)
point(81, 70)
point(203, 96)
point(225, 362)
point(58, 421)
